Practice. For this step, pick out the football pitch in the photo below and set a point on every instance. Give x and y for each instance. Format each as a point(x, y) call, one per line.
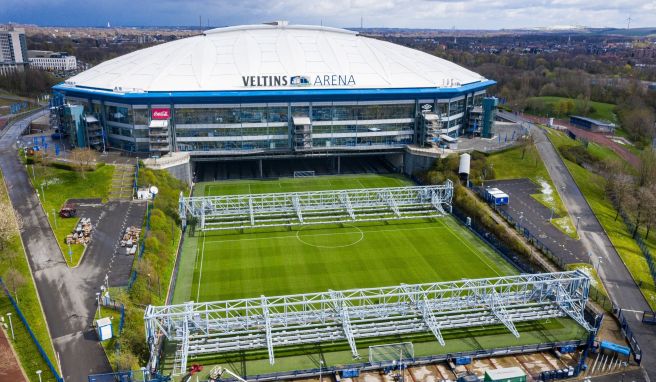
point(222, 265)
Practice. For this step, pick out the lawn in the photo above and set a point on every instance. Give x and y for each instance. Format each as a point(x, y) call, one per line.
point(547, 107)
point(231, 264)
point(516, 163)
point(319, 183)
point(60, 185)
point(593, 188)
point(313, 259)
point(12, 255)
point(337, 354)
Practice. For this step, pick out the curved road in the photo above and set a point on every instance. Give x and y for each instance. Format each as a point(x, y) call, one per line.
point(619, 283)
point(67, 295)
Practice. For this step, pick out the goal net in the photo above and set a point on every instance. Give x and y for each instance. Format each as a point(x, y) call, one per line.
point(391, 352)
point(303, 174)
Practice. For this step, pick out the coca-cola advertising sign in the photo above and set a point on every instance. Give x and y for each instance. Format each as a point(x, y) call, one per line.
point(161, 113)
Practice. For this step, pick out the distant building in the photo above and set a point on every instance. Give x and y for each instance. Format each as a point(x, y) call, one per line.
point(592, 124)
point(13, 49)
point(47, 60)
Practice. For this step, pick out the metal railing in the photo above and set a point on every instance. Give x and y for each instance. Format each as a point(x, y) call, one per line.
point(36, 342)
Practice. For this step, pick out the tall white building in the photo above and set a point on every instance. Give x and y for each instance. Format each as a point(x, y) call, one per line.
point(47, 60)
point(13, 49)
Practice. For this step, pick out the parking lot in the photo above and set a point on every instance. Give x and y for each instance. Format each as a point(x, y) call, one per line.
point(535, 217)
point(109, 221)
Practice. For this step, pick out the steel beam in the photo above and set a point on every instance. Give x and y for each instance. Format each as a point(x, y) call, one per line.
point(342, 310)
point(266, 322)
point(343, 197)
point(317, 207)
point(267, 327)
point(297, 207)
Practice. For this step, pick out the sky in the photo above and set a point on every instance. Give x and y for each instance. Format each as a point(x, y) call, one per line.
point(446, 14)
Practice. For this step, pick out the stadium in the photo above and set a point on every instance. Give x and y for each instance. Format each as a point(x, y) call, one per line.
point(281, 269)
point(247, 97)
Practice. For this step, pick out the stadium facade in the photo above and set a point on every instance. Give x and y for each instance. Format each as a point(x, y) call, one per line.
point(272, 90)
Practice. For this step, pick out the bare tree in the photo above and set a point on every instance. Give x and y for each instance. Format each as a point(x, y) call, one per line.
point(650, 210)
point(14, 281)
point(647, 169)
point(83, 159)
point(618, 188)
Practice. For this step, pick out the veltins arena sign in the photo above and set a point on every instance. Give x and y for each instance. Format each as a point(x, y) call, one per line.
point(298, 81)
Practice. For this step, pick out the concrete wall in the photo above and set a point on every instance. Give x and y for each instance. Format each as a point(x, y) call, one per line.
point(414, 162)
point(181, 171)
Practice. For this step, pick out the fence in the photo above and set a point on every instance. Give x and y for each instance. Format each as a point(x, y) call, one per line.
point(142, 245)
point(495, 352)
point(628, 333)
point(52, 368)
point(136, 179)
point(111, 304)
point(127, 376)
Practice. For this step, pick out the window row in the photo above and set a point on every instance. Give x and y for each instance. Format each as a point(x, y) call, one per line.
point(234, 145)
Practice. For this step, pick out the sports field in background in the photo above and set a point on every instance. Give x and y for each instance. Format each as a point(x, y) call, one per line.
point(219, 265)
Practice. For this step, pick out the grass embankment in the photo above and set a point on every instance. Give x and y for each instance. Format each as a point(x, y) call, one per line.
point(153, 271)
point(554, 107)
point(593, 188)
point(520, 162)
point(60, 183)
point(12, 256)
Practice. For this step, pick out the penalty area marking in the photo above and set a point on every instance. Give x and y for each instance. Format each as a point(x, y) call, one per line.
point(298, 237)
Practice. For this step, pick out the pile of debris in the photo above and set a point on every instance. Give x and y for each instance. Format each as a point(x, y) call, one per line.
point(130, 240)
point(82, 232)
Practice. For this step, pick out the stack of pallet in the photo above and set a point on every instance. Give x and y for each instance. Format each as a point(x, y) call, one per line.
point(82, 232)
point(130, 240)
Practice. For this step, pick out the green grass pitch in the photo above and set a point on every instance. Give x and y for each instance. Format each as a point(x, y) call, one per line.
point(219, 265)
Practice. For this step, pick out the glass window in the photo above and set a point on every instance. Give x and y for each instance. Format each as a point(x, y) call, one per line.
point(322, 113)
point(141, 116)
point(300, 111)
point(278, 114)
point(119, 114)
point(254, 114)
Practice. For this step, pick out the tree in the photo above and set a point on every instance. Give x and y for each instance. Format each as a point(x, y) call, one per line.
point(640, 199)
point(618, 188)
point(639, 123)
point(14, 281)
point(650, 210)
point(10, 223)
point(82, 159)
point(647, 169)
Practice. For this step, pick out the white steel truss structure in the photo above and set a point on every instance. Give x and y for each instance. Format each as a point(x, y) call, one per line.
point(316, 207)
point(269, 322)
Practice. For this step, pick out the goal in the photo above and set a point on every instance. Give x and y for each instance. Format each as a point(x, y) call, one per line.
point(391, 352)
point(303, 174)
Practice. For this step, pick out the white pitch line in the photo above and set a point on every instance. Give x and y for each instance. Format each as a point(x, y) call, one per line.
point(200, 273)
point(472, 250)
point(322, 234)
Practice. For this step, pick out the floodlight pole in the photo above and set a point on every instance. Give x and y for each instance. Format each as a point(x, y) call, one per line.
point(38, 372)
point(320, 368)
point(54, 217)
point(11, 326)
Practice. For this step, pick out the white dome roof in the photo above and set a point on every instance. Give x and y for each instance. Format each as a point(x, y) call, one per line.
point(226, 59)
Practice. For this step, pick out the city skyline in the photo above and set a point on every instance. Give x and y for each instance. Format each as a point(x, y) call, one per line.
point(474, 14)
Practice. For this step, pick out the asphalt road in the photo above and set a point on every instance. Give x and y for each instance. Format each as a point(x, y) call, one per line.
point(619, 283)
point(67, 295)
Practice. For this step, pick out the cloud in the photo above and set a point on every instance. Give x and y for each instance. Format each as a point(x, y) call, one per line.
point(463, 14)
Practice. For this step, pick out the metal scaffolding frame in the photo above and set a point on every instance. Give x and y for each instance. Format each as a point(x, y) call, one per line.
point(316, 207)
point(269, 322)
